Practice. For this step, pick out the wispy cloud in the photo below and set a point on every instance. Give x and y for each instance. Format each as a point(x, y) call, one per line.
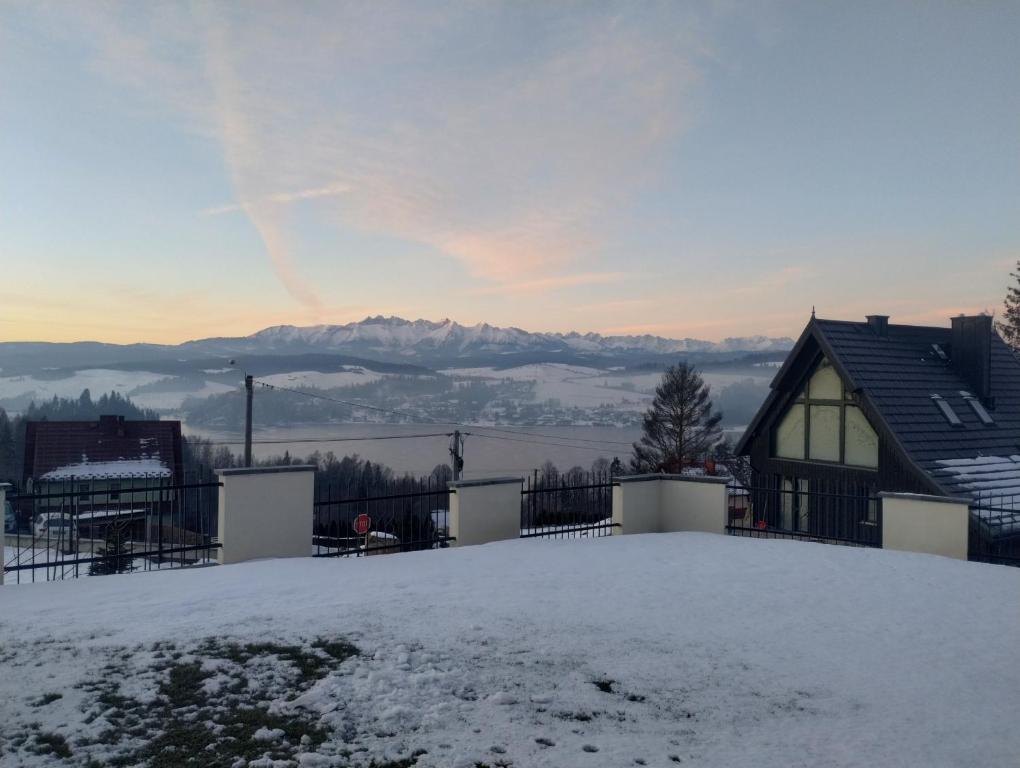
point(546, 284)
point(331, 190)
point(508, 152)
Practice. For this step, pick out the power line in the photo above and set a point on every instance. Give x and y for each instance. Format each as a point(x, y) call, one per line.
point(284, 441)
point(552, 437)
point(538, 442)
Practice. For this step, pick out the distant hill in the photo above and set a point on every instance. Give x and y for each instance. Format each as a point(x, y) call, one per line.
point(448, 342)
point(391, 340)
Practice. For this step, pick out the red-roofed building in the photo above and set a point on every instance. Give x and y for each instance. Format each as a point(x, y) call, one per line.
point(93, 469)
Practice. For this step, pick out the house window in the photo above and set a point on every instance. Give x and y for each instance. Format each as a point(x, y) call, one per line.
point(823, 442)
point(860, 439)
point(825, 424)
point(795, 504)
point(790, 434)
point(83, 492)
point(825, 384)
point(114, 491)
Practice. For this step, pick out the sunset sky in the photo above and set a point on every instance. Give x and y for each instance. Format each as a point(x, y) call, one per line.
point(180, 170)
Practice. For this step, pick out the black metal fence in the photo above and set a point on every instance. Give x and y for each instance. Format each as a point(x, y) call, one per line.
point(89, 526)
point(994, 534)
point(567, 506)
point(776, 507)
point(399, 516)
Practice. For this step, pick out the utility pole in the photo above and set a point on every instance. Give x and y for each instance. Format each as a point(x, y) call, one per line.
point(457, 452)
point(249, 386)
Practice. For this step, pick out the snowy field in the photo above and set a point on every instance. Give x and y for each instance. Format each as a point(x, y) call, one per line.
point(572, 385)
point(654, 650)
point(351, 375)
point(586, 387)
point(97, 380)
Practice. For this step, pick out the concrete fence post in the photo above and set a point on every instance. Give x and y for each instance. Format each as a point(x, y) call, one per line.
point(636, 504)
point(936, 525)
point(265, 512)
point(4, 489)
point(693, 503)
point(485, 510)
point(667, 503)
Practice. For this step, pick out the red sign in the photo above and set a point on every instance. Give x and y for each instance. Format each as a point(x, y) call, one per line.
point(362, 523)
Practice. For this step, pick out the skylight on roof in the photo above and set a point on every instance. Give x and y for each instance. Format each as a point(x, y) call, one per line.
point(941, 353)
point(978, 408)
point(947, 411)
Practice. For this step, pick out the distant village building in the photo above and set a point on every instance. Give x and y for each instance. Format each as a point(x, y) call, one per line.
point(98, 470)
point(864, 407)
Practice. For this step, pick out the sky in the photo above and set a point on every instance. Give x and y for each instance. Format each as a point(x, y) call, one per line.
point(171, 171)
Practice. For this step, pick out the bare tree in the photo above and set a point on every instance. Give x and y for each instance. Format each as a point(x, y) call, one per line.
point(1010, 327)
point(680, 427)
point(737, 467)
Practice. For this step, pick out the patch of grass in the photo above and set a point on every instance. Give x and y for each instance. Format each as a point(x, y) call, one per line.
point(47, 698)
point(581, 717)
point(183, 686)
point(51, 744)
point(310, 664)
point(406, 762)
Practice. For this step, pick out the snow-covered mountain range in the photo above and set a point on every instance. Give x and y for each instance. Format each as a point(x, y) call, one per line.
point(388, 341)
point(410, 339)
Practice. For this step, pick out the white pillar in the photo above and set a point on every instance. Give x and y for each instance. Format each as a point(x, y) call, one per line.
point(265, 512)
point(693, 503)
point(636, 504)
point(485, 510)
point(4, 489)
point(936, 525)
point(662, 503)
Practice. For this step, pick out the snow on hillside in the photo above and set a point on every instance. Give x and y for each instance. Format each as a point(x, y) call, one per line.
point(171, 399)
point(653, 650)
point(97, 380)
point(572, 385)
point(585, 387)
point(348, 377)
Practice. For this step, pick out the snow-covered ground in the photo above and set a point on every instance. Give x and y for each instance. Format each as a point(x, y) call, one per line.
point(171, 399)
point(97, 380)
point(585, 387)
point(572, 385)
point(652, 650)
point(350, 376)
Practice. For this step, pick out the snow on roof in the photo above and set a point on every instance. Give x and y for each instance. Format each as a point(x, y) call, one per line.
point(90, 470)
point(987, 475)
point(995, 482)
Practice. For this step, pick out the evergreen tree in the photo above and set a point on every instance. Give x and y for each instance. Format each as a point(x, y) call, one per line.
point(1010, 327)
point(9, 469)
point(116, 554)
point(680, 427)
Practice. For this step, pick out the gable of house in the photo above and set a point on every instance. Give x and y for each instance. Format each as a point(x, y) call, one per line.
point(901, 395)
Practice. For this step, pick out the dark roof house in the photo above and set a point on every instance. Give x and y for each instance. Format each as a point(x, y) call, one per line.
point(895, 408)
point(110, 447)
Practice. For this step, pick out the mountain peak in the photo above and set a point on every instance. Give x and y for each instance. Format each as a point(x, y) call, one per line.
point(404, 339)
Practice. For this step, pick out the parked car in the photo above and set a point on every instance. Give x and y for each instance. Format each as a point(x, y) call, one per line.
point(55, 526)
point(10, 521)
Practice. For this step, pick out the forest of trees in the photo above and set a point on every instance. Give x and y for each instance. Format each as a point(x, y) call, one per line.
point(83, 408)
